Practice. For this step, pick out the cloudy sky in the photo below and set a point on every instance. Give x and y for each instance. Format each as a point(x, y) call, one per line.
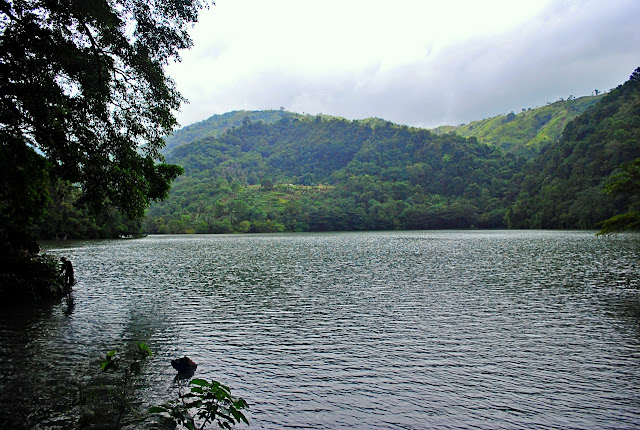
point(417, 62)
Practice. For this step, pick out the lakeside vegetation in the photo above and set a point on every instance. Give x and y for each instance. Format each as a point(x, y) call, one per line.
point(565, 187)
point(319, 173)
point(84, 106)
point(84, 109)
point(85, 164)
point(274, 171)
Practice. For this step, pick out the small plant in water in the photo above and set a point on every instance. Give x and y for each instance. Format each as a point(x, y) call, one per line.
point(112, 401)
point(206, 403)
point(112, 361)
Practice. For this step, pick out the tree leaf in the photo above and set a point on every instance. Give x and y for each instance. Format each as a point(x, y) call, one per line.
point(157, 409)
point(201, 382)
point(144, 349)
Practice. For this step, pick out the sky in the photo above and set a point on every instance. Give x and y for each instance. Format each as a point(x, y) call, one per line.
point(422, 63)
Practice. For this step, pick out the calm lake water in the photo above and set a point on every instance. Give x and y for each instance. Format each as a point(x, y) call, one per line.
point(352, 330)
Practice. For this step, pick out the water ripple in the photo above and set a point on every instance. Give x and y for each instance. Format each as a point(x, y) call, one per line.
point(378, 330)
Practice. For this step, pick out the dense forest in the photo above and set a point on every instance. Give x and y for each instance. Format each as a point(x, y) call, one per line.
point(218, 124)
point(85, 104)
point(317, 173)
point(563, 187)
point(332, 174)
point(272, 171)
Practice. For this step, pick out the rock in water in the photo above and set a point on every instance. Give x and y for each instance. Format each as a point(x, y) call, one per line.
point(184, 365)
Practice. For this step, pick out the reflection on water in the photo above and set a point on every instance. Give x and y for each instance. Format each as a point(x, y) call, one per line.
point(367, 330)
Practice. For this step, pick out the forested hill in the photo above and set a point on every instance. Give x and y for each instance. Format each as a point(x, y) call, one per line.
point(527, 132)
point(562, 188)
point(524, 133)
point(304, 173)
point(215, 125)
point(319, 173)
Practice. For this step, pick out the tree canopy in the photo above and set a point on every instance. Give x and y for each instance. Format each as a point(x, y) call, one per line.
point(318, 173)
point(84, 98)
point(625, 183)
point(84, 105)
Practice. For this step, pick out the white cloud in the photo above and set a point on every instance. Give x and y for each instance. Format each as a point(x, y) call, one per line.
point(422, 63)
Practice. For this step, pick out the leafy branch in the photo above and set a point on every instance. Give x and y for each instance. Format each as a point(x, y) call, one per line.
point(113, 362)
point(206, 403)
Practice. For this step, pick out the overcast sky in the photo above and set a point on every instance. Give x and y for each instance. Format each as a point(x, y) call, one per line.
point(416, 62)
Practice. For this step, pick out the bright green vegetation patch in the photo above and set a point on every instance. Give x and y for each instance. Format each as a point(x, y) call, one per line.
point(526, 132)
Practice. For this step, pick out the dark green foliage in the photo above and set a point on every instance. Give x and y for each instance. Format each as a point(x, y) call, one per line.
point(207, 402)
point(321, 174)
point(563, 187)
point(84, 98)
point(30, 279)
point(218, 124)
point(625, 184)
point(627, 181)
point(66, 216)
point(628, 221)
point(24, 176)
point(109, 401)
point(84, 83)
point(112, 362)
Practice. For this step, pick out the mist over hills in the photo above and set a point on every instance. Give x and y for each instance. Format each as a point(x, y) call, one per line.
point(261, 171)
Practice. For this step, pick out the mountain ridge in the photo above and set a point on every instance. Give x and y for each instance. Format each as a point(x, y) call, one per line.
point(525, 133)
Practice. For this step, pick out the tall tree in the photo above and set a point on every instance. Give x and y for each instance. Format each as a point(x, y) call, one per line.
point(84, 98)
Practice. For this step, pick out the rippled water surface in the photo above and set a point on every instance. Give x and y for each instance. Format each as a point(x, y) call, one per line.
point(364, 330)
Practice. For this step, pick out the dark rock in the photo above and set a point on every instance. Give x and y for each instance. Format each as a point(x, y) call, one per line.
point(184, 365)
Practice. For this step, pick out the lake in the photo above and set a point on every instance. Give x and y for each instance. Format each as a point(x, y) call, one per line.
point(389, 330)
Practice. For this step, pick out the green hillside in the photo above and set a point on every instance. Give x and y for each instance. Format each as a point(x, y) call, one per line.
point(527, 132)
point(563, 187)
point(277, 171)
point(316, 173)
point(324, 173)
point(218, 124)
